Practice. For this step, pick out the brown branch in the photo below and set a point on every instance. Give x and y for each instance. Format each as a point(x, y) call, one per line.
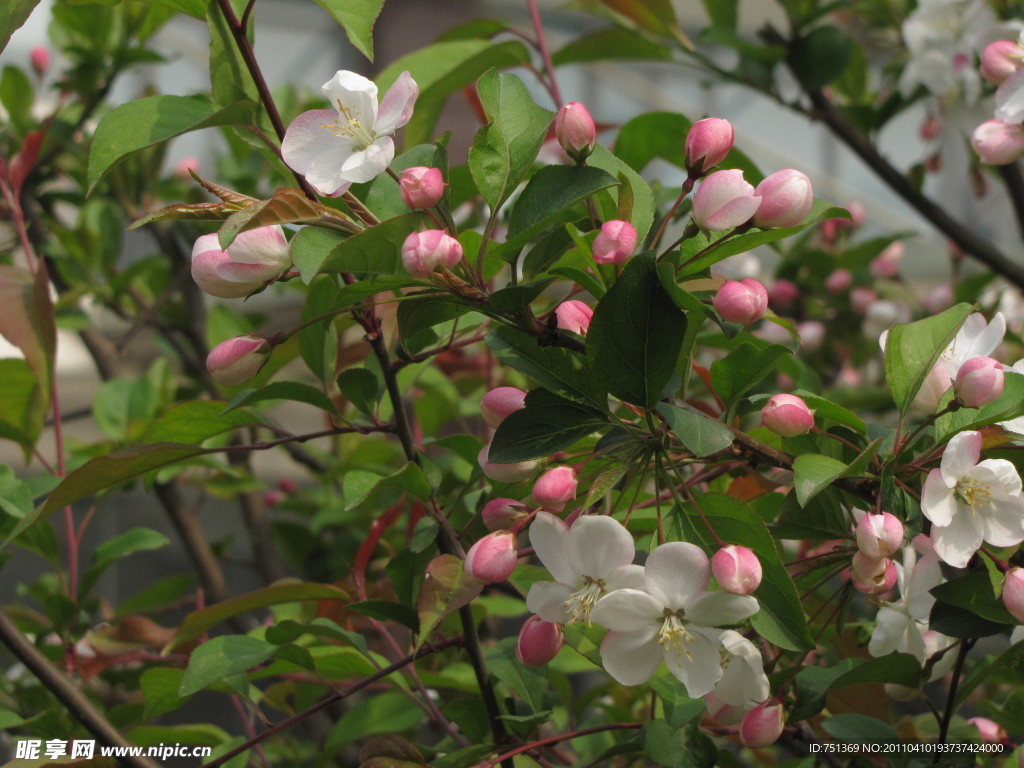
point(1014, 182)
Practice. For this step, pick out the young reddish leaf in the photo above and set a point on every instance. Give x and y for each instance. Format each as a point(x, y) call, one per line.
point(24, 161)
point(447, 588)
point(27, 321)
point(287, 206)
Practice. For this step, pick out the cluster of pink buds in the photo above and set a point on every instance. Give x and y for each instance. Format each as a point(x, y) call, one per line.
point(424, 252)
point(736, 569)
point(787, 415)
point(575, 131)
point(742, 302)
point(878, 538)
point(979, 382)
point(725, 200)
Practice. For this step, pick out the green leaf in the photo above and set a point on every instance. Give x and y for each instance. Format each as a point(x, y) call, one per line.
point(417, 315)
point(229, 77)
point(1009, 405)
point(634, 198)
point(220, 657)
point(548, 423)
point(820, 57)
point(814, 683)
point(551, 190)
point(296, 391)
point(14, 15)
point(160, 686)
point(506, 147)
point(122, 545)
point(145, 122)
point(193, 8)
point(651, 135)
point(22, 404)
point(723, 13)
point(377, 251)
point(957, 621)
point(17, 96)
point(911, 350)
point(608, 44)
point(358, 18)
point(198, 622)
point(530, 683)
point(744, 367)
point(974, 593)
point(677, 747)
point(121, 405)
point(360, 387)
point(655, 16)
point(1009, 665)
point(680, 709)
point(15, 497)
point(385, 610)
point(701, 434)
point(854, 728)
point(826, 409)
point(27, 322)
point(636, 334)
point(446, 589)
point(390, 712)
point(444, 68)
point(560, 370)
point(812, 473)
point(821, 518)
point(195, 421)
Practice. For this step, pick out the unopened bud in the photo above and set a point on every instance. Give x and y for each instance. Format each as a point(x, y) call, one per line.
point(1001, 59)
point(861, 299)
point(502, 514)
point(812, 334)
point(575, 131)
point(839, 281)
point(879, 535)
point(786, 199)
point(787, 415)
point(255, 257)
point(421, 187)
point(872, 576)
point(616, 242)
point(498, 403)
point(762, 726)
point(724, 201)
point(782, 294)
point(423, 252)
point(555, 488)
point(707, 143)
point(39, 57)
point(505, 473)
point(236, 360)
point(574, 316)
point(887, 263)
point(989, 730)
point(493, 558)
point(998, 142)
point(736, 569)
point(1013, 593)
point(741, 302)
point(539, 641)
point(979, 382)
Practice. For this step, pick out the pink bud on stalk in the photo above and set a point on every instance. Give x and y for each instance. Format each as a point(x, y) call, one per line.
point(724, 201)
point(871, 575)
point(998, 142)
point(762, 726)
point(839, 281)
point(787, 415)
point(39, 57)
point(707, 144)
point(574, 316)
point(782, 294)
point(1013, 593)
point(741, 302)
point(616, 242)
point(505, 473)
point(421, 187)
point(786, 199)
point(736, 569)
point(499, 403)
point(255, 257)
point(575, 131)
point(555, 488)
point(493, 558)
point(979, 382)
point(879, 535)
point(539, 641)
point(887, 263)
point(1000, 59)
point(236, 360)
point(423, 252)
point(502, 514)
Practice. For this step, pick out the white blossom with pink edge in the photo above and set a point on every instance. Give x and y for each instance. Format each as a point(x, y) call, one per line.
point(351, 143)
point(969, 501)
point(673, 619)
point(588, 560)
point(255, 256)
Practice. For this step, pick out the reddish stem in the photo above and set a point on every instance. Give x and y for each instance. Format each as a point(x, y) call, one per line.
point(542, 46)
point(555, 740)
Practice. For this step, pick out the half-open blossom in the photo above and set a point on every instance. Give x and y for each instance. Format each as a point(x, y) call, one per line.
point(351, 142)
point(979, 382)
point(743, 683)
point(879, 535)
point(574, 316)
point(724, 200)
point(423, 252)
point(588, 560)
point(742, 302)
point(499, 403)
point(673, 621)
point(421, 187)
point(786, 199)
point(707, 143)
point(236, 360)
point(872, 575)
point(969, 501)
point(615, 243)
point(900, 625)
point(255, 256)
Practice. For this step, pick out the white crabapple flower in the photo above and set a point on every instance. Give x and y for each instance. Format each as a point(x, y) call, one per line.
point(743, 683)
point(592, 557)
point(901, 625)
point(350, 143)
point(255, 257)
point(674, 620)
point(969, 501)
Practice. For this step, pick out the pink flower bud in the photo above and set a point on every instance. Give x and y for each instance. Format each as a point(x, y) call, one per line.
point(812, 334)
point(762, 726)
point(236, 360)
point(707, 144)
point(502, 514)
point(839, 281)
point(539, 641)
point(787, 415)
point(1013, 593)
point(736, 569)
point(989, 730)
point(872, 576)
point(287, 485)
point(574, 316)
point(616, 242)
point(185, 167)
point(555, 488)
point(998, 142)
point(879, 535)
point(423, 252)
point(505, 473)
point(255, 257)
point(421, 187)
point(741, 302)
point(272, 498)
point(575, 131)
point(786, 199)
point(493, 558)
point(1000, 59)
point(39, 57)
point(887, 263)
point(724, 201)
point(861, 299)
point(499, 402)
point(979, 382)
point(782, 294)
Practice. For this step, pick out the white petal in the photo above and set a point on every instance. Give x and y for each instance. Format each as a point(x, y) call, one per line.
point(1003, 522)
point(675, 572)
point(1010, 98)
point(631, 657)
point(549, 538)
point(600, 544)
point(250, 274)
point(713, 609)
point(369, 163)
point(625, 577)
point(957, 542)
point(1014, 425)
point(700, 667)
point(961, 454)
point(986, 338)
point(206, 243)
point(263, 245)
point(547, 599)
point(627, 610)
point(938, 502)
point(397, 105)
point(743, 679)
point(307, 138)
point(1002, 473)
point(918, 598)
point(325, 172)
point(355, 93)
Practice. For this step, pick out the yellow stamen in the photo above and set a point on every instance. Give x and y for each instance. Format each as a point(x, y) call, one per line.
point(583, 599)
point(973, 494)
point(673, 635)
